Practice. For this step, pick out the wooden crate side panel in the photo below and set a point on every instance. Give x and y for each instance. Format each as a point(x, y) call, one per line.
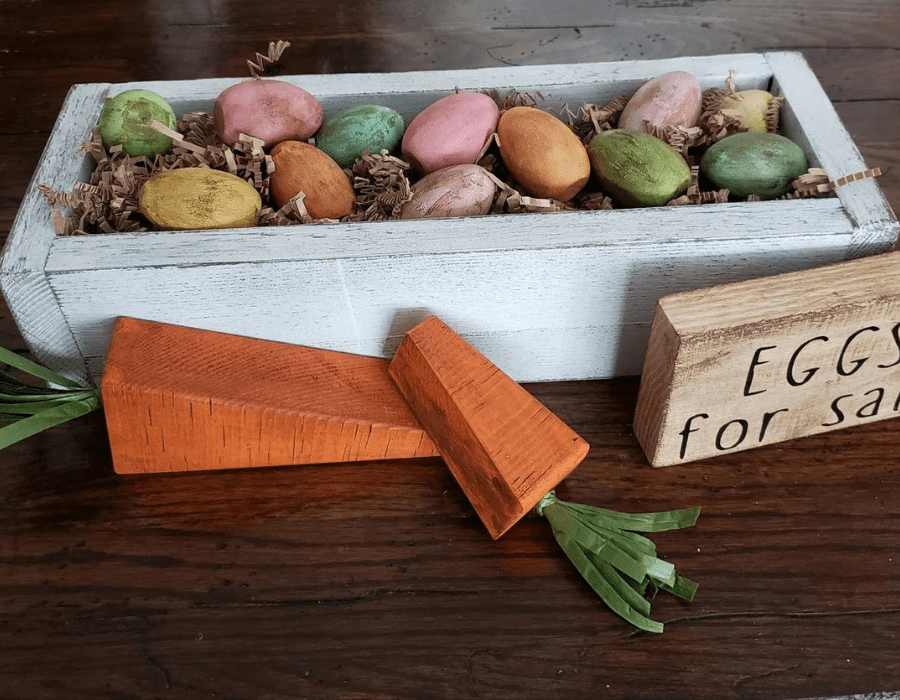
point(564, 314)
point(809, 118)
point(755, 222)
point(25, 287)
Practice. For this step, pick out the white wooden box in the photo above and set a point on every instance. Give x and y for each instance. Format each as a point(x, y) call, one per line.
point(545, 296)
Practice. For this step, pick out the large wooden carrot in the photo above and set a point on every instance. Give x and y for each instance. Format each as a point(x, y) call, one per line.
point(179, 398)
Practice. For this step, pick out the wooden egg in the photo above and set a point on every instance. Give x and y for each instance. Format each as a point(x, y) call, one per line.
point(347, 134)
point(301, 167)
point(199, 198)
point(271, 110)
point(750, 108)
point(671, 99)
point(451, 131)
point(125, 121)
point(543, 154)
point(750, 163)
point(457, 190)
point(637, 169)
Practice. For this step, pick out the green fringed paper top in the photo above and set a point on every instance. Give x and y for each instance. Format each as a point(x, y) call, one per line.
point(619, 564)
point(26, 409)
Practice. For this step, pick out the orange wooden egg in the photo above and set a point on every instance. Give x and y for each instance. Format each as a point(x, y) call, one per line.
point(301, 167)
point(543, 154)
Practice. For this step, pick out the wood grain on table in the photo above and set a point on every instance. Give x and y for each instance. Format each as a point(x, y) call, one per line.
point(377, 580)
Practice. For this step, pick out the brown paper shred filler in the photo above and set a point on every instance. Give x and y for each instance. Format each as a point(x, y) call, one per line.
point(382, 185)
point(681, 138)
point(816, 181)
point(263, 63)
point(597, 118)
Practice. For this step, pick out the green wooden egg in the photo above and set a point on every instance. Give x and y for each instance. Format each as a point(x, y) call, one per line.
point(637, 169)
point(752, 163)
point(125, 121)
point(346, 134)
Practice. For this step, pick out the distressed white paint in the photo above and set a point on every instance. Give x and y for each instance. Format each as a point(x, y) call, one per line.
point(545, 296)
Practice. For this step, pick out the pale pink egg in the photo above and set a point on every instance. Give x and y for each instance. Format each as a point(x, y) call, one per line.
point(451, 131)
point(671, 99)
point(271, 110)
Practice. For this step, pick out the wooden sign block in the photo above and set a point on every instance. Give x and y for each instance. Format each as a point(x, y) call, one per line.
point(774, 358)
point(505, 448)
point(181, 399)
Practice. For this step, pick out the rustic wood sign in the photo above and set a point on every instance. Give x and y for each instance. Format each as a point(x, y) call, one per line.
point(752, 363)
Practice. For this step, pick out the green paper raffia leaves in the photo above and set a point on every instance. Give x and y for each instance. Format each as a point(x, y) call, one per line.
point(26, 410)
point(619, 564)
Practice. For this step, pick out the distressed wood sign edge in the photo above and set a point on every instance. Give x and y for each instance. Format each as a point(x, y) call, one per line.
point(730, 330)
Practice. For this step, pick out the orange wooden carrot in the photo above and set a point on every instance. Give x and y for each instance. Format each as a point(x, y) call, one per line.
point(180, 399)
point(505, 448)
point(507, 451)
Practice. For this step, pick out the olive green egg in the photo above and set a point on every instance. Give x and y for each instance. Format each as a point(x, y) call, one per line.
point(637, 169)
point(751, 163)
point(125, 121)
point(346, 134)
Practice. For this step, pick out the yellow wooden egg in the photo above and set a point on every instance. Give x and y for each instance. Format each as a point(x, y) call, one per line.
point(301, 167)
point(750, 107)
point(199, 198)
point(543, 154)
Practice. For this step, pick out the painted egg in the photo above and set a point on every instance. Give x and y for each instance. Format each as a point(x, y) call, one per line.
point(457, 190)
point(750, 108)
point(301, 167)
point(199, 198)
point(271, 110)
point(637, 169)
point(347, 134)
point(543, 154)
point(451, 131)
point(125, 121)
point(750, 163)
point(671, 99)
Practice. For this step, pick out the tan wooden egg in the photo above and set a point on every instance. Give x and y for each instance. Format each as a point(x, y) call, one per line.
point(543, 154)
point(300, 167)
point(199, 198)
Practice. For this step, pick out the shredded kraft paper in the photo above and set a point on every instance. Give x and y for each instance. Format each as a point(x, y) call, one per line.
point(109, 203)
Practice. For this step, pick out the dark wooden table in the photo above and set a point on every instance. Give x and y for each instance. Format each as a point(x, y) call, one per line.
point(377, 580)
